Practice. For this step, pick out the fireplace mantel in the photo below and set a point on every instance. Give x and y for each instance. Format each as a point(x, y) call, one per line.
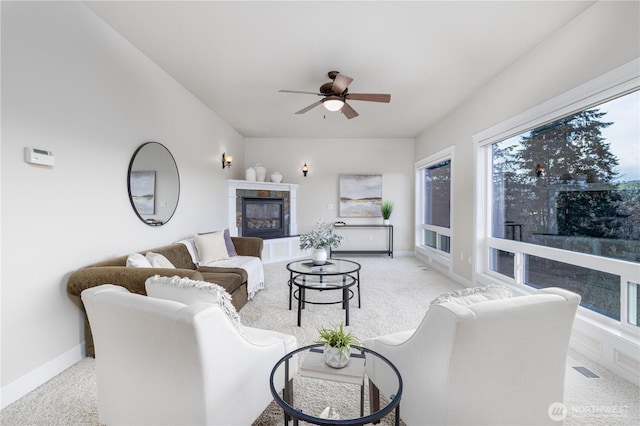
point(234, 185)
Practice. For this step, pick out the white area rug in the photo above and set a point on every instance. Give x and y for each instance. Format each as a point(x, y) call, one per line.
point(395, 295)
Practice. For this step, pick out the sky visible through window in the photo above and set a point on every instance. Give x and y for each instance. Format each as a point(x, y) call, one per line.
point(624, 135)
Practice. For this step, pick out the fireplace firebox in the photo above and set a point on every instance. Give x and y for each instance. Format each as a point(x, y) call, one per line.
point(263, 217)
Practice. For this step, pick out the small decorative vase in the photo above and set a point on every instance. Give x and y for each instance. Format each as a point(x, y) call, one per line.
point(276, 177)
point(319, 256)
point(261, 172)
point(385, 221)
point(250, 174)
point(333, 358)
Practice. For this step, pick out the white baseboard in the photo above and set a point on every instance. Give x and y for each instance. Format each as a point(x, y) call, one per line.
point(30, 381)
point(606, 347)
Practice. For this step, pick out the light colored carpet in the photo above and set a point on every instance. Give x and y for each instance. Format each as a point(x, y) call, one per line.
point(395, 295)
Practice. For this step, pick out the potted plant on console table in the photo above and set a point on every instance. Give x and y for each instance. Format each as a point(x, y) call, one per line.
point(319, 239)
point(337, 345)
point(386, 208)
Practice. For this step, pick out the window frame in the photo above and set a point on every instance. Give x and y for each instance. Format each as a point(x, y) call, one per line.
point(617, 83)
point(434, 254)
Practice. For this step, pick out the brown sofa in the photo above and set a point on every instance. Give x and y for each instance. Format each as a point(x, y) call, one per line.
point(115, 271)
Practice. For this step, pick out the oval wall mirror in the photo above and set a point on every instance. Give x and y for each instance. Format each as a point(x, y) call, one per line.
point(153, 183)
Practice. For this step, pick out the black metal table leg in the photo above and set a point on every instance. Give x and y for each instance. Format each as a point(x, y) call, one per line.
point(358, 285)
point(300, 299)
point(290, 288)
point(345, 295)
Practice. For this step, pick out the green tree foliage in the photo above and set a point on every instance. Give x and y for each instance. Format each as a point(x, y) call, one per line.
point(569, 149)
point(560, 179)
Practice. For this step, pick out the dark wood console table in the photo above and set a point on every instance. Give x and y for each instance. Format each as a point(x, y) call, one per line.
point(388, 251)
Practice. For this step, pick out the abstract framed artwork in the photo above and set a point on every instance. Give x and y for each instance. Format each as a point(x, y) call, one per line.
point(360, 195)
point(143, 191)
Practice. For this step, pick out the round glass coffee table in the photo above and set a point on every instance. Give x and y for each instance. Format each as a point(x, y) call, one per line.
point(336, 274)
point(323, 395)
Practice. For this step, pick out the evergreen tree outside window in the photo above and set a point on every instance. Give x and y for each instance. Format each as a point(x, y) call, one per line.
point(572, 184)
point(563, 180)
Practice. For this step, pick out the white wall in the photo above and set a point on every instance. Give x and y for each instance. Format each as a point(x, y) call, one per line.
point(604, 37)
point(71, 84)
point(327, 159)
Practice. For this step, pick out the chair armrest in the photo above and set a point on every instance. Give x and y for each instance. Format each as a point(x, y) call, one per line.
point(392, 339)
point(248, 246)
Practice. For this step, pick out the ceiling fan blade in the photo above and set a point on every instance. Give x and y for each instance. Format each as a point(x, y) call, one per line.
point(298, 91)
point(313, 105)
point(371, 97)
point(341, 83)
point(348, 111)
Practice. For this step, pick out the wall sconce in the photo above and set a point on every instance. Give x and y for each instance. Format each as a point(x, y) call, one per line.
point(539, 170)
point(226, 160)
point(305, 169)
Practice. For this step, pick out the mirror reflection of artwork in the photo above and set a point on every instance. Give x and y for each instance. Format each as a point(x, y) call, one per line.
point(143, 191)
point(360, 195)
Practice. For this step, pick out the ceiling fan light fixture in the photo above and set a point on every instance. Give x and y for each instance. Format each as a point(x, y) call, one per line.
point(333, 103)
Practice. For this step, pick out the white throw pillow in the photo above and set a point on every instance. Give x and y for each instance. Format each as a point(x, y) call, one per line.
point(159, 261)
point(189, 292)
point(211, 247)
point(469, 296)
point(136, 260)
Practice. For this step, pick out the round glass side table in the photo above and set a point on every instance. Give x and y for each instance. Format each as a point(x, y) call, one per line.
point(330, 393)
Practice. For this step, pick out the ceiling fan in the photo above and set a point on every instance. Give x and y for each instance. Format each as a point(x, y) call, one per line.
point(336, 93)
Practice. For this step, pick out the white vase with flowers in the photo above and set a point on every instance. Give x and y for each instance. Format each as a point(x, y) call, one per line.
point(319, 239)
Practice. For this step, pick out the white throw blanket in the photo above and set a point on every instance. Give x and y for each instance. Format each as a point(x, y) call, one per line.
point(251, 264)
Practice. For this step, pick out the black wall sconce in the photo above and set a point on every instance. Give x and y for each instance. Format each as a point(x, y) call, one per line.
point(305, 169)
point(226, 160)
point(539, 170)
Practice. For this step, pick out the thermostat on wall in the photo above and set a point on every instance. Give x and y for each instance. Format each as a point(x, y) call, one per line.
point(38, 156)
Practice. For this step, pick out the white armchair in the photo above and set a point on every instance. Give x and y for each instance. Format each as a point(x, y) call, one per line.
point(162, 361)
point(474, 362)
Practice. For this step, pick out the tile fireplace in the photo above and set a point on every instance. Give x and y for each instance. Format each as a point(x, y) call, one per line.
point(262, 209)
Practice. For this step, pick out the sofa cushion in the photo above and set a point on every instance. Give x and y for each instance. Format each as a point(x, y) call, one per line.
point(249, 266)
point(177, 254)
point(189, 292)
point(211, 247)
point(469, 296)
point(158, 261)
point(136, 260)
point(232, 283)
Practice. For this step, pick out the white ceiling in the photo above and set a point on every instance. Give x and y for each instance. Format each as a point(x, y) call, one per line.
point(429, 55)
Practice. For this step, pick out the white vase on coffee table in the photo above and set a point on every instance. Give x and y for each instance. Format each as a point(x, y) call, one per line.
point(319, 256)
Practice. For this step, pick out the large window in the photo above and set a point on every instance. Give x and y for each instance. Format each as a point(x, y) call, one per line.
point(562, 203)
point(434, 175)
point(573, 183)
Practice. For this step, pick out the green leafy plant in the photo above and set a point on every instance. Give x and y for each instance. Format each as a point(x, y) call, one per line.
point(321, 236)
point(337, 338)
point(386, 208)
